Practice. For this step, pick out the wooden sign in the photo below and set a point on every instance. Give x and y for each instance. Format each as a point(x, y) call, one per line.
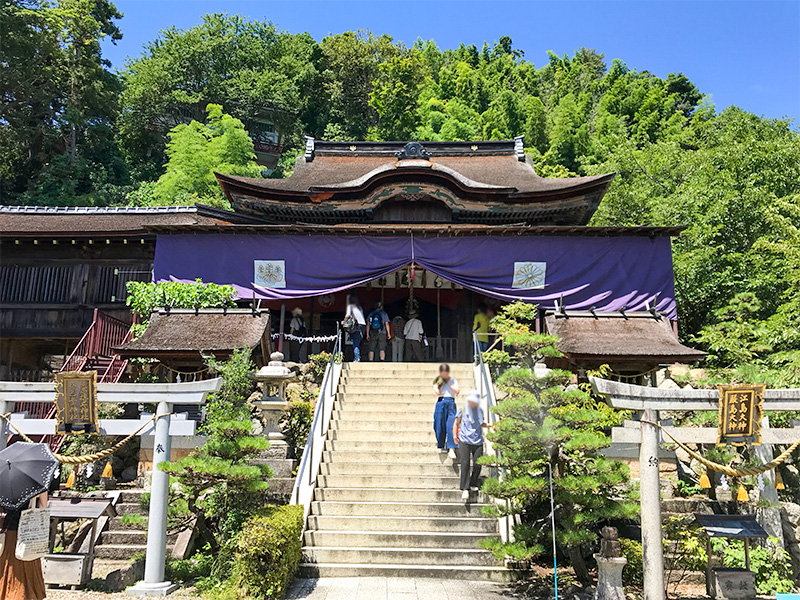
point(740, 414)
point(76, 402)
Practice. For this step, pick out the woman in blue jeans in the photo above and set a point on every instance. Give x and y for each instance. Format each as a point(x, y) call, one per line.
point(446, 389)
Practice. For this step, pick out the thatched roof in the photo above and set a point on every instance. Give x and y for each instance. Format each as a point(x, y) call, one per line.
point(613, 337)
point(207, 331)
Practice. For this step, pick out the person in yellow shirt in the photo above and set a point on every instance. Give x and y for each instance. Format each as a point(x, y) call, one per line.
point(480, 325)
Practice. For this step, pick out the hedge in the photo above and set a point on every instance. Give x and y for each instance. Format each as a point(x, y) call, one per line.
point(268, 552)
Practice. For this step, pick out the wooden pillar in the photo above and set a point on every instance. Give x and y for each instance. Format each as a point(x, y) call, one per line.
point(281, 326)
point(650, 490)
point(747, 553)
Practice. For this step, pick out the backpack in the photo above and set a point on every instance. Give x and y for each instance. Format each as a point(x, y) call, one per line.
point(302, 331)
point(350, 324)
point(375, 319)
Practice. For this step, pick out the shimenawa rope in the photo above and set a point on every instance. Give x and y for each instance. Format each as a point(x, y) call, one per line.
point(87, 458)
point(744, 472)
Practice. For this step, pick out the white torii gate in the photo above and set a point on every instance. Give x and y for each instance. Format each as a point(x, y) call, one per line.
point(163, 395)
point(647, 401)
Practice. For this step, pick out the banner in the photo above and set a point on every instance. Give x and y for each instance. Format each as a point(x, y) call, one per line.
point(607, 273)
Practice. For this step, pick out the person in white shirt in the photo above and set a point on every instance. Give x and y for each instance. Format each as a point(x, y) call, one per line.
point(445, 388)
point(413, 333)
point(354, 310)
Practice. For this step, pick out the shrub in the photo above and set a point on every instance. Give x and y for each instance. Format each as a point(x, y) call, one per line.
point(319, 362)
point(633, 571)
point(268, 552)
point(295, 425)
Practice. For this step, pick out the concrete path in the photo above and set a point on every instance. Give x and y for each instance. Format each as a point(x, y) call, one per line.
point(394, 588)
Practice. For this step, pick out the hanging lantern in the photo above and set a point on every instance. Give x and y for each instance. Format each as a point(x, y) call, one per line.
point(779, 481)
point(107, 472)
point(705, 482)
point(742, 496)
point(70, 479)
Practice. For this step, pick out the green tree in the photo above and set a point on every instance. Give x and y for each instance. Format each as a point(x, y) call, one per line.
point(349, 63)
point(218, 482)
point(248, 67)
point(394, 96)
point(198, 150)
point(59, 104)
point(542, 423)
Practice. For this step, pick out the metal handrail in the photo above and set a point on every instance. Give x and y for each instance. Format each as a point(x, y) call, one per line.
point(104, 333)
point(486, 390)
point(311, 459)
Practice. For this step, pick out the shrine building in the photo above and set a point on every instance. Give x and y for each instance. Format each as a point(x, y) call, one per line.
point(439, 226)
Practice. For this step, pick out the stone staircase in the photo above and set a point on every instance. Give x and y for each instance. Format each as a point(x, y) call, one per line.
point(387, 502)
point(121, 541)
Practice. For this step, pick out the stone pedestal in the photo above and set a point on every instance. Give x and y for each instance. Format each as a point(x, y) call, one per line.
point(609, 578)
point(733, 584)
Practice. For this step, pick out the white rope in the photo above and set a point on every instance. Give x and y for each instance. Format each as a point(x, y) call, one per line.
point(313, 338)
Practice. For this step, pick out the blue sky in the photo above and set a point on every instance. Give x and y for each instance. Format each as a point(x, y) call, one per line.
point(741, 53)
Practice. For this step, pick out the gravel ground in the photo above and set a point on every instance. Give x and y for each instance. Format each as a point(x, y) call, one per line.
point(182, 594)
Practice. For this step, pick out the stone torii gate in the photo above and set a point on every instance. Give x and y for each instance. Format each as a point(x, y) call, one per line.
point(647, 402)
point(164, 396)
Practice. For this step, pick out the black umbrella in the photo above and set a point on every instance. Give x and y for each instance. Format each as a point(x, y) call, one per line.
point(26, 471)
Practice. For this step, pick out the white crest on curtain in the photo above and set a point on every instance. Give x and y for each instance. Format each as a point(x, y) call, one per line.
point(269, 273)
point(529, 275)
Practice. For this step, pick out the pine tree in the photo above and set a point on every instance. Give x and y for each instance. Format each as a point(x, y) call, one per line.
point(541, 421)
point(218, 482)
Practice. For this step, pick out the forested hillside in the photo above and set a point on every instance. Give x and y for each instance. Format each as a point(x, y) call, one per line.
point(74, 132)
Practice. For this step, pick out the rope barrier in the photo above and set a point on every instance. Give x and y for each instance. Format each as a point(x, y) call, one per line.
point(726, 470)
point(87, 458)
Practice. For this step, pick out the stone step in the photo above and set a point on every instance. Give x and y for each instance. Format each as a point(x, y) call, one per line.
point(131, 508)
point(131, 495)
point(398, 409)
point(399, 556)
point(387, 482)
point(431, 496)
point(378, 435)
point(129, 537)
point(394, 469)
point(383, 446)
point(370, 425)
point(367, 417)
point(397, 389)
point(367, 366)
point(482, 525)
point(494, 574)
point(394, 539)
point(118, 551)
point(400, 509)
point(429, 457)
point(116, 524)
point(383, 395)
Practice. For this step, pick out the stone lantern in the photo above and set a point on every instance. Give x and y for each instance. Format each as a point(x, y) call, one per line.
point(273, 377)
point(609, 567)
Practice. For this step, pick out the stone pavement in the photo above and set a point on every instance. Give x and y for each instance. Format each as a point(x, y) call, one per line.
point(394, 588)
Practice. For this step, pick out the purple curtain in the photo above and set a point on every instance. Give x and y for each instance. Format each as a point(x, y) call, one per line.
point(605, 272)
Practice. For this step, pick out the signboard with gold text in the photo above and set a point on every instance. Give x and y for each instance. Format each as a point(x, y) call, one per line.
point(76, 402)
point(740, 414)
